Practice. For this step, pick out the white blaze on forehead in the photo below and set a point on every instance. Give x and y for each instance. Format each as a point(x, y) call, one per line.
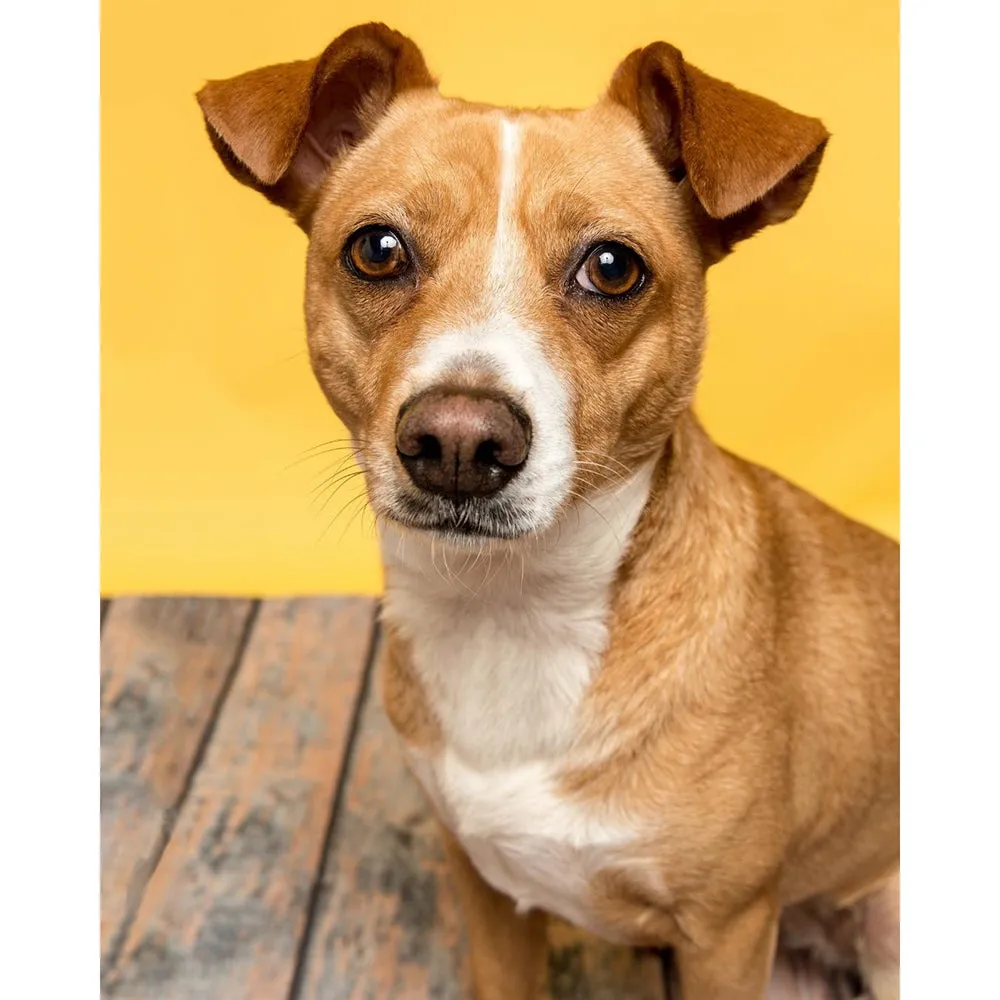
point(505, 243)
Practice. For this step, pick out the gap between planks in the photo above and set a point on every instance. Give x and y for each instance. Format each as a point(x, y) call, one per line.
point(222, 912)
point(295, 987)
point(166, 666)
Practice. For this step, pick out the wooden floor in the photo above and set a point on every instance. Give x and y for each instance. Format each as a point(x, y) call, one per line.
point(260, 837)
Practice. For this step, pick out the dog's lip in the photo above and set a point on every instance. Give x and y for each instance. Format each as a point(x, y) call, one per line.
point(420, 518)
point(452, 529)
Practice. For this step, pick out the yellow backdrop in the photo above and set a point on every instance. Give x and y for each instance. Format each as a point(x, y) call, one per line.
point(207, 394)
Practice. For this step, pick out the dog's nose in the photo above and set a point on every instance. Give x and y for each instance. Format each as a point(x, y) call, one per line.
point(461, 444)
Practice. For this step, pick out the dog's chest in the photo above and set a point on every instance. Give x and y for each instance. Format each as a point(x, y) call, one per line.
point(525, 839)
point(506, 679)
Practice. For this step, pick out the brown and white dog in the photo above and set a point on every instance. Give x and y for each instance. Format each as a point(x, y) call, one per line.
point(648, 686)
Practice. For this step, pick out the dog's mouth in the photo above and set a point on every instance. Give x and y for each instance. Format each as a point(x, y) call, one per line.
point(465, 519)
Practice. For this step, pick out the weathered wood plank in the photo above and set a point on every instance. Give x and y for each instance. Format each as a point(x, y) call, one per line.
point(387, 921)
point(583, 968)
point(164, 666)
point(223, 914)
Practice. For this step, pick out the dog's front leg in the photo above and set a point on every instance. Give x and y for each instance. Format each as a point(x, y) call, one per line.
point(507, 951)
point(737, 964)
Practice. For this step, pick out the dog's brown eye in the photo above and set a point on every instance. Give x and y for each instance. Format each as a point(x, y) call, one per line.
point(610, 269)
point(377, 253)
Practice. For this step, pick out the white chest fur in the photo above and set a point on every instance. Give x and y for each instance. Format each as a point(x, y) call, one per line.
point(505, 646)
point(522, 836)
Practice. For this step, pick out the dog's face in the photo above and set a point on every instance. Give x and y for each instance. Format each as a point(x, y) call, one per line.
point(505, 308)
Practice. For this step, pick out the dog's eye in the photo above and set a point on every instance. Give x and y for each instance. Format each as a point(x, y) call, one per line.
point(610, 269)
point(376, 253)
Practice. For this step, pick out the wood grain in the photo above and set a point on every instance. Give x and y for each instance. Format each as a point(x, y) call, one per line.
point(224, 912)
point(387, 923)
point(584, 968)
point(388, 926)
point(164, 665)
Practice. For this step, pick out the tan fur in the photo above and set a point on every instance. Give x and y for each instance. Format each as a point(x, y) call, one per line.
point(747, 705)
point(405, 700)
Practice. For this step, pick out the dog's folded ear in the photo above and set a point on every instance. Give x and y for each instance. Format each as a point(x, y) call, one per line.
point(749, 162)
point(280, 128)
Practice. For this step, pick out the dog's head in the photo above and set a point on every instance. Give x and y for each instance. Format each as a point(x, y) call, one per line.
point(505, 308)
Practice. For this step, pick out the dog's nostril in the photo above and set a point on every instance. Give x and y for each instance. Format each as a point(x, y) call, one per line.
point(430, 448)
point(488, 453)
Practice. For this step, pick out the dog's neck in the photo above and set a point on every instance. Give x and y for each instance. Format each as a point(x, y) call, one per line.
point(506, 637)
point(586, 543)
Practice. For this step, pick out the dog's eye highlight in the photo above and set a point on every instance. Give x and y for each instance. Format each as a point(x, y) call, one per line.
point(376, 253)
point(610, 269)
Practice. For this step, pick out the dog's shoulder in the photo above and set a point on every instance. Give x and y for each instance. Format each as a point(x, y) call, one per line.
point(808, 534)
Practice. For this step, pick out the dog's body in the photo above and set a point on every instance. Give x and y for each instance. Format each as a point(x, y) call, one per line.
point(647, 686)
point(636, 724)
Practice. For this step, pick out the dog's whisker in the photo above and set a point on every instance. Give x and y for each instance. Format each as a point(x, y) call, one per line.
point(606, 458)
point(318, 454)
point(333, 444)
point(606, 470)
point(339, 470)
point(335, 488)
point(362, 495)
point(584, 500)
point(335, 468)
point(361, 509)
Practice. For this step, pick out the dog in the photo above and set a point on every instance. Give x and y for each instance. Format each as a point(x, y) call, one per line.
point(647, 686)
